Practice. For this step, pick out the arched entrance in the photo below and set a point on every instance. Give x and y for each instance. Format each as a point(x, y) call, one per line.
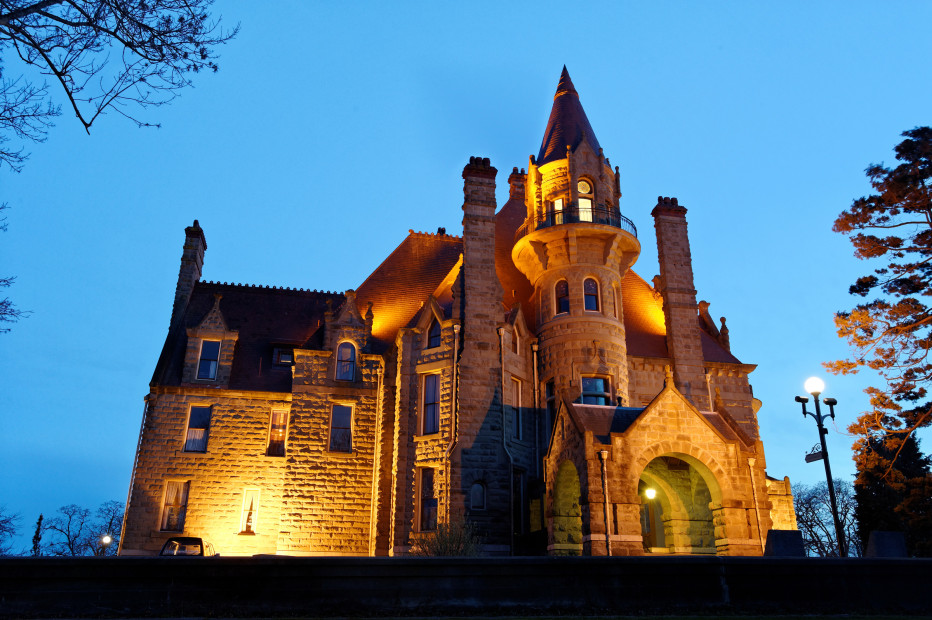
point(679, 496)
point(567, 515)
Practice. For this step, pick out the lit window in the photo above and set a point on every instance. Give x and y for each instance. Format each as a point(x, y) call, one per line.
point(283, 357)
point(341, 429)
point(595, 391)
point(585, 200)
point(278, 427)
point(210, 356)
point(591, 294)
point(430, 411)
point(250, 511)
point(477, 496)
point(198, 428)
point(346, 362)
point(427, 500)
point(558, 211)
point(174, 506)
point(433, 334)
point(562, 291)
point(516, 408)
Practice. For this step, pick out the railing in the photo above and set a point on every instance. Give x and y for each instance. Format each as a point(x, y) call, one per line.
point(573, 215)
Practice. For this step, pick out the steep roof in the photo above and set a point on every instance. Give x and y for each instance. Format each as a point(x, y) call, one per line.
point(264, 317)
point(515, 285)
point(567, 125)
point(404, 280)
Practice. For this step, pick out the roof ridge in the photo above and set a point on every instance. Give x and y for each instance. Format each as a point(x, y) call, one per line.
point(284, 289)
point(438, 234)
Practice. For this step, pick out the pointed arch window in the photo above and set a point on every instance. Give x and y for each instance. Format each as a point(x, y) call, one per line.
point(562, 292)
point(591, 294)
point(346, 362)
point(586, 198)
point(433, 334)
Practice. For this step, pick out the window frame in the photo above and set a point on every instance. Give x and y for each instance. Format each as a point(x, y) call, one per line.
point(485, 502)
point(279, 352)
point(423, 408)
point(330, 429)
point(284, 440)
point(517, 426)
point(597, 297)
point(607, 394)
point(243, 520)
point(557, 297)
point(183, 507)
point(342, 364)
point(201, 360)
point(188, 428)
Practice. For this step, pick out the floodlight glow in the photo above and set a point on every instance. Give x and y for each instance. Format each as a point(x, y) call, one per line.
point(650, 493)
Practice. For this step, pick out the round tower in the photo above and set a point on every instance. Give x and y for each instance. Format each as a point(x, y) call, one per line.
point(575, 247)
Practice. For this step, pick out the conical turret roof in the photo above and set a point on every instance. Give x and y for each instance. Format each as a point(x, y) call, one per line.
point(567, 125)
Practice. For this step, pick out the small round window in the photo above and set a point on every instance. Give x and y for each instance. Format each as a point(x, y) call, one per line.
point(583, 187)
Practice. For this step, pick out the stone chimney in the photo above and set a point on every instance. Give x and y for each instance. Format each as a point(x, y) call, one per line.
point(192, 262)
point(684, 343)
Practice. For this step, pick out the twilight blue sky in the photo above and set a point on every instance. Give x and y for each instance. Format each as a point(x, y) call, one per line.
point(333, 128)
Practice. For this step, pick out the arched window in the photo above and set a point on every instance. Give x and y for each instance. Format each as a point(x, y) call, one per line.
point(433, 334)
point(477, 496)
point(346, 362)
point(586, 199)
point(562, 291)
point(591, 294)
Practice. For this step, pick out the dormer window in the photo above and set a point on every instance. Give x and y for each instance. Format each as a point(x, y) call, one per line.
point(346, 362)
point(584, 188)
point(210, 357)
point(433, 334)
point(283, 357)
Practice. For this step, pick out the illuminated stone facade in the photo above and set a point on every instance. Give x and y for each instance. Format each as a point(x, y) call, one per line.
point(521, 377)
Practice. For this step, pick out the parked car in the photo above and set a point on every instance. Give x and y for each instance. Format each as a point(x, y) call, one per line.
point(187, 545)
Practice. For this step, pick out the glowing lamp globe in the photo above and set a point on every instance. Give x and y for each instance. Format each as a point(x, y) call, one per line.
point(106, 539)
point(650, 493)
point(814, 385)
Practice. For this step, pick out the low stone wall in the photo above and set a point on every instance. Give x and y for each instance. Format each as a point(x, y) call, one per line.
point(322, 587)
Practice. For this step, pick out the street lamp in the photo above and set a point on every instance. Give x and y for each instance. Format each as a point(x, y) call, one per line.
point(105, 541)
point(814, 386)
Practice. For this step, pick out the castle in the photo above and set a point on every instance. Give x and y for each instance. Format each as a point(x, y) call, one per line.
point(521, 378)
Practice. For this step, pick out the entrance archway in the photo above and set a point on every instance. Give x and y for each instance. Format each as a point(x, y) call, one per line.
point(678, 498)
point(567, 515)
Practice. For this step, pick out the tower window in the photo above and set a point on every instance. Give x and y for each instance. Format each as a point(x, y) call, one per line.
point(585, 200)
point(433, 334)
point(562, 291)
point(591, 294)
point(346, 362)
point(595, 391)
point(210, 356)
point(558, 211)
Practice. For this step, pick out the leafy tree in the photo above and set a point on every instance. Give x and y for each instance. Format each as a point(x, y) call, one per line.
point(814, 518)
point(37, 538)
point(9, 523)
point(894, 495)
point(105, 55)
point(892, 333)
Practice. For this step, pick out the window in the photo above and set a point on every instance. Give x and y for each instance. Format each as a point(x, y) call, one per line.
point(595, 391)
point(250, 511)
point(174, 506)
point(585, 200)
point(514, 341)
point(341, 429)
point(562, 291)
point(430, 410)
point(427, 500)
point(516, 408)
point(433, 334)
point(558, 211)
point(283, 357)
point(210, 355)
point(198, 428)
point(346, 362)
point(278, 427)
point(551, 395)
point(591, 294)
point(477, 496)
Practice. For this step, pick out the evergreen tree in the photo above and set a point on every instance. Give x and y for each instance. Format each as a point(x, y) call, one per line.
point(37, 538)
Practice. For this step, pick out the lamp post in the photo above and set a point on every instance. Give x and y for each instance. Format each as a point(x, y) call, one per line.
point(814, 386)
point(105, 541)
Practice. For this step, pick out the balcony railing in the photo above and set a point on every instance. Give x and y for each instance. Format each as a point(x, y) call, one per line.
point(573, 215)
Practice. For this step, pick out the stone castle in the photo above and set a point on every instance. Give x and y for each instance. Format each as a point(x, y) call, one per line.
point(521, 378)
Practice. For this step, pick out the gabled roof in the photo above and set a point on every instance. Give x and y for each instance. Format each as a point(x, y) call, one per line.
point(264, 317)
point(568, 124)
point(404, 280)
point(605, 420)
